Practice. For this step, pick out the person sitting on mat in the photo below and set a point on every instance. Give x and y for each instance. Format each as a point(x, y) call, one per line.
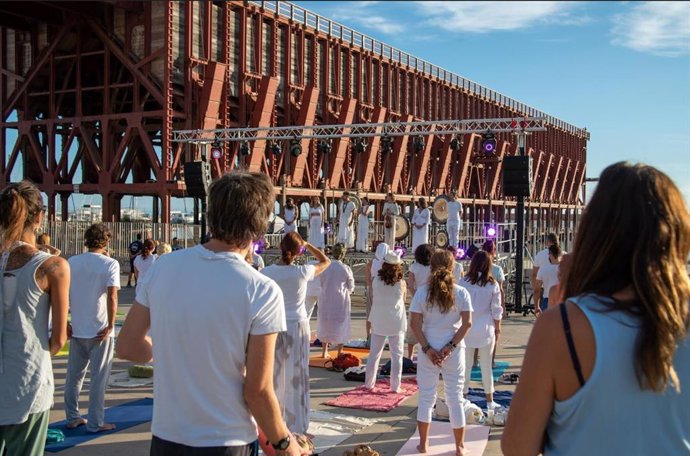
point(388, 320)
point(337, 284)
point(441, 315)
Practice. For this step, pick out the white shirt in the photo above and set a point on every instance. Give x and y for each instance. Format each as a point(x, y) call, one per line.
point(200, 332)
point(292, 280)
point(92, 274)
point(458, 271)
point(439, 328)
point(142, 265)
point(421, 217)
point(548, 274)
point(314, 285)
point(486, 302)
point(346, 210)
point(541, 259)
point(454, 210)
point(387, 315)
point(497, 273)
point(392, 208)
point(421, 274)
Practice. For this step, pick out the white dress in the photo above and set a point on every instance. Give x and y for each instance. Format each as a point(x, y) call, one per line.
point(346, 232)
point(290, 214)
point(420, 235)
point(316, 227)
point(454, 223)
point(389, 233)
point(337, 283)
point(363, 229)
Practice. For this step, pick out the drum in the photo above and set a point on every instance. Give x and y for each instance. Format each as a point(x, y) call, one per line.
point(402, 227)
point(441, 239)
point(439, 210)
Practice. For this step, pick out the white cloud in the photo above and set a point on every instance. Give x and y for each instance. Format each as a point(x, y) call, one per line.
point(483, 17)
point(381, 24)
point(358, 13)
point(660, 28)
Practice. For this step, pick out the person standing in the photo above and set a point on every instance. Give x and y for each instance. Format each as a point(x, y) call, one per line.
point(498, 274)
point(290, 216)
point(176, 244)
point(43, 244)
point(417, 276)
point(93, 305)
point(291, 372)
point(316, 221)
point(420, 222)
point(144, 261)
point(541, 259)
point(613, 362)
point(233, 328)
point(547, 277)
point(441, 315)
point(370, 272)
point(388, 320)
point(337, 284)
point(135, 249)
point(454, 221)
point(390, 212)
point(346, 221)
point(363, 226)
point(33, 284)
point(486, 320)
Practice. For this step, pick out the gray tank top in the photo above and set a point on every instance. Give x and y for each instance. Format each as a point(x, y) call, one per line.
point(26, 373)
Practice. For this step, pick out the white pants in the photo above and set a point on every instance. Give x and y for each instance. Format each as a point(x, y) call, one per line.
point(453, 234)
point(310, 303)
point(485, 364)
point(453, 371)
point(362, 234)
point(396, 345)
point(389, 235)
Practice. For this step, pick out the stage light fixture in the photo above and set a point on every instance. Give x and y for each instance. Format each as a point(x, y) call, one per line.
point(455, 144)
point(489, 143)
point(386, 143)
point(324, 146)
point(459, 253)
point(400, 250)
point(359, 146)
point(295, 147)
point(276, 149)
point(491, 231)
point(419, 144)
point(216, 150)
point(244, 148)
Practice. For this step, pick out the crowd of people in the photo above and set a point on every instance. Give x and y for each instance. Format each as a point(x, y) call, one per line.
point(610, 344)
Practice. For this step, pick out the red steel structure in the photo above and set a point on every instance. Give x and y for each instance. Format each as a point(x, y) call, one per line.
point(90, 93)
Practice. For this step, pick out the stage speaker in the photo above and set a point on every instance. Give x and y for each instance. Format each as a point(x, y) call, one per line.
point(517, 176)
point(197, 177)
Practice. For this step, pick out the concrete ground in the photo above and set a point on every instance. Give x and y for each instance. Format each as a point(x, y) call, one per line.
point(387, 436)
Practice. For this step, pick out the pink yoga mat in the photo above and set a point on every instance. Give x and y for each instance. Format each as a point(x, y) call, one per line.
point(441, 441)
point(380, 399)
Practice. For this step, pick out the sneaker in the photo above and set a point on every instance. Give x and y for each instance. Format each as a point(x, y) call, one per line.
point(492, 405)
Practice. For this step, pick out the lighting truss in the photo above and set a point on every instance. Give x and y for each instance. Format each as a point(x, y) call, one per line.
point(366, 130)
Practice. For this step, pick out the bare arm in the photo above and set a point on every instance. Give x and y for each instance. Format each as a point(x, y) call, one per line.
point(53, 276)
point(258, 389)
point(112, 312)
point(323, 260)
point(411, 283)
point(133, 343)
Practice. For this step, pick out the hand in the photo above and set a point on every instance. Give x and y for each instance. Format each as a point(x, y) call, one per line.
point(434, 356)
point(445, 353)
point(69, 330)
point(292, 450)
point(103, 333)
point(537, 310)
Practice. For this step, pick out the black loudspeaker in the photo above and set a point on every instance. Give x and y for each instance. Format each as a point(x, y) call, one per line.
point(197, 177)
point(517, 176)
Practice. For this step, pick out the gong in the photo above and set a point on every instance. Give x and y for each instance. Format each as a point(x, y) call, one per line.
point(439, 210)
point(441, 239)
point(402, 227)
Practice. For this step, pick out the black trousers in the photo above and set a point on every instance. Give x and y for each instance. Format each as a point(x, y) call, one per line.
point(160, 447)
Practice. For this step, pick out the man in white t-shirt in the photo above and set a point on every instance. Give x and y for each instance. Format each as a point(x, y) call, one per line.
point(214, 337)
point(541, 259)
point(93, 304)
point(454, 222)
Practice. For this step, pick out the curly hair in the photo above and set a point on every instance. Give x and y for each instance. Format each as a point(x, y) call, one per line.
point(390, 274)
point(97, 236)
point(338, 251)
point(441, 291)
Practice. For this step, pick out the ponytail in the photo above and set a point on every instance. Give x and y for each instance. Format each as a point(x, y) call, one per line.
point(290, 247)
point(20, 204)
point(441, 284)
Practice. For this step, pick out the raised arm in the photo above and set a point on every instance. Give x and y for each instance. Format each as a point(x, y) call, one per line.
point(323, 260)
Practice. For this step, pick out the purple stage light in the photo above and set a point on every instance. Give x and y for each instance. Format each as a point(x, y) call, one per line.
point(400, 250)
point(302, 250)
point(459, 253)
point(491, 231)
point(256, 247)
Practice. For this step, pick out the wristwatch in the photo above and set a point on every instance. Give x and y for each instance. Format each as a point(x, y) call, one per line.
point(282, 444)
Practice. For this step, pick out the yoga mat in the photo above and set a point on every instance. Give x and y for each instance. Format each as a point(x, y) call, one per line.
point(501, 367)
point(380, 399)
point(330, 429)
point(442, 442)
point(318, 361)
point(476, 396)
point(122, 416)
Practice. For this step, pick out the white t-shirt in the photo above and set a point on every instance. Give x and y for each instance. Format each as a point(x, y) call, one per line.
point(292, 280)
point(387, 315)
point(392, 208)
point(497, 273)
point(454, 210)
point(541, 259)
point(421, 274)
point(458, 271)
point(439, 328)
point(200, 330)
point(486, 301)
point(548, 274)
point(92, 274)
point(142, 265)
point(314, 285)
point(346, 210)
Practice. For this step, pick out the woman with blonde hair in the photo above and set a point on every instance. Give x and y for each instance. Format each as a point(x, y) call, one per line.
point(43, 244)
point(441, 315)
point(32, 285)
point(613, 362)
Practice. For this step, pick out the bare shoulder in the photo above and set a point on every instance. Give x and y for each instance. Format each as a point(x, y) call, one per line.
point(53, 268)
point(20, 256)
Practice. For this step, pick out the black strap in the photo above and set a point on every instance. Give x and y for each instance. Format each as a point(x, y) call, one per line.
point(571, 344)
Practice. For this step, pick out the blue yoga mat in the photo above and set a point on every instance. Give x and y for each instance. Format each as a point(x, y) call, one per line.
point(501, 367)
point(122, 416)
point(477, 396)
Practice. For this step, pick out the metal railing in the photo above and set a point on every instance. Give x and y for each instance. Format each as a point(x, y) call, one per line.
point(312, 20)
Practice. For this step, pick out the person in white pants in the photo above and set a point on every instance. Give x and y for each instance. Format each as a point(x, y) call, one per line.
point(363, 227)
point(454, 221)
point(440, 316)
point(486, 301)
point(388, 320)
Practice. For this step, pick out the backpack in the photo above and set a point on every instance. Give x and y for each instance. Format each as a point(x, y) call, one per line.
point(408, 367)
point(342, 362)
point(355, 374)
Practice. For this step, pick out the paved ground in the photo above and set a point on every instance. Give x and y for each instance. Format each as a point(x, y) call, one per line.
point(387, 436)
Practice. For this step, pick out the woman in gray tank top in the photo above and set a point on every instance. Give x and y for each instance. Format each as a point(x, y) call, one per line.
point(32, 284)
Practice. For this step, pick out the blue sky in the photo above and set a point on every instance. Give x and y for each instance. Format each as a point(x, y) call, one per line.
point(620, 69)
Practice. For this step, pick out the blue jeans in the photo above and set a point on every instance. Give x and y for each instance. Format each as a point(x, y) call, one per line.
point(544, 304)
